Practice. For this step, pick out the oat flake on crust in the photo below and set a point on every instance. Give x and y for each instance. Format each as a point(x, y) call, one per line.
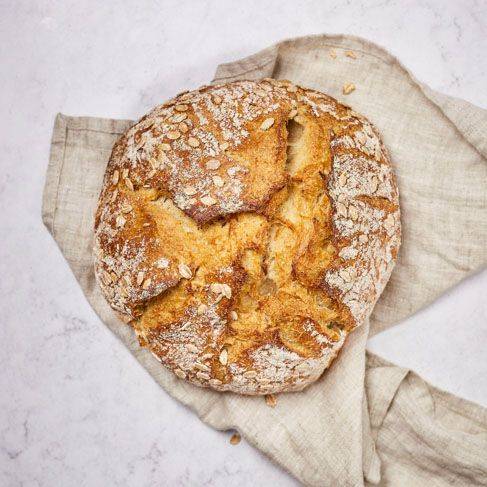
point(244, 230)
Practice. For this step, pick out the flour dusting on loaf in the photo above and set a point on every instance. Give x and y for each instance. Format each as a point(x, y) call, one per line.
point(244, 230)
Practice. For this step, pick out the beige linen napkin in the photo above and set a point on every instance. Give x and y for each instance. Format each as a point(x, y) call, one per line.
point(365, 418)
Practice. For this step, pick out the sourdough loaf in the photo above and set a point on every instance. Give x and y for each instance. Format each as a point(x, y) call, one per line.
point(244, 230)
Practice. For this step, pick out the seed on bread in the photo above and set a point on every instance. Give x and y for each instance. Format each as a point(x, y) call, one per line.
point(129, 184)
point(115, 176)
point(353, 213)
point(181, 374)
point(179, 117)
point(202, 376)
point(120, 221)
point(185, 271)
point(192, 348)
point(208, 200)
point(193, 142)
point(212, 164)
point(202, 367)
point(140, 277)
point(223, 357)
point(267, 123)
point(218, 181)
point(226, 290)
point(147, 283)
point(202, 308)
point(250, 374)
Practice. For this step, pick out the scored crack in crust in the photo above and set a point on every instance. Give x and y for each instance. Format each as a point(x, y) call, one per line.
point(244, 230)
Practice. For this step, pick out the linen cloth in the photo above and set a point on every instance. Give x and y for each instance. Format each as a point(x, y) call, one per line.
point(365, 420)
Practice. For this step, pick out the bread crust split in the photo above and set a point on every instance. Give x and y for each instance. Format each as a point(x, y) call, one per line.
point(244, 230)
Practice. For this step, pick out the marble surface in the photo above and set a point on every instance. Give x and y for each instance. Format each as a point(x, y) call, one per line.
point(76, 409)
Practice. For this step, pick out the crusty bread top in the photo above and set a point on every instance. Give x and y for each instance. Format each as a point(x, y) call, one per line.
point(244, 229)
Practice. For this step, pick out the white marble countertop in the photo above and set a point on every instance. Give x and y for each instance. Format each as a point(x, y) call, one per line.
point(76, 409)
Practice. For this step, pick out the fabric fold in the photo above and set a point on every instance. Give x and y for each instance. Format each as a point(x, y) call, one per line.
point(364, 419)
point(424, 435)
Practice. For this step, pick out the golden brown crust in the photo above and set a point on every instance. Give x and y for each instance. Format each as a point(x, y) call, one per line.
point(245, 229)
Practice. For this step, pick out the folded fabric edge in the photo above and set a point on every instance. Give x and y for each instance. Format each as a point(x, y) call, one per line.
point(469, 409)
point(470, 120)
point(256, 66)
point(51, 184)
point(63, 123)
point(371, 463)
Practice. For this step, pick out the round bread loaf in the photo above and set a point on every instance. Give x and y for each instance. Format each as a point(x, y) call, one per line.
point(244, 230)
